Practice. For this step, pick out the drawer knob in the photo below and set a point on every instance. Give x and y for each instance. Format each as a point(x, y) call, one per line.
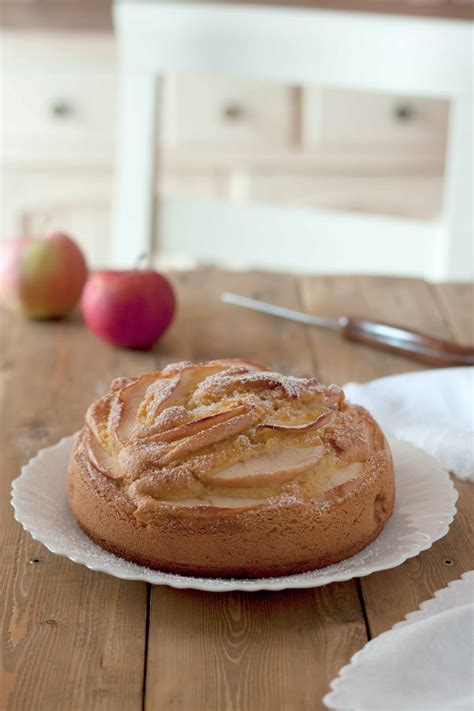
point(233, 111)
point(61, 108)
point(404, 112)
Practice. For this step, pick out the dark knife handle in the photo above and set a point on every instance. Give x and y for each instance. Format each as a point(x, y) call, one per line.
point(409, 342)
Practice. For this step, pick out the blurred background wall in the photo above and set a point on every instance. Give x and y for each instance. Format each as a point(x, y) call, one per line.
point(242, 140)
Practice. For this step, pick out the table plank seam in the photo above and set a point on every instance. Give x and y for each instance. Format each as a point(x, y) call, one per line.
point(360, 594)
point(392, 594)
point(443, 310)
point(307, 336)
point(147, 639)
point(314, 359)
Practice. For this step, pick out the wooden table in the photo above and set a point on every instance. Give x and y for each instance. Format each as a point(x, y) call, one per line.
point(78, 640)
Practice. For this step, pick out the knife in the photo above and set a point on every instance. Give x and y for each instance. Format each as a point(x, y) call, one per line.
point(388, 336)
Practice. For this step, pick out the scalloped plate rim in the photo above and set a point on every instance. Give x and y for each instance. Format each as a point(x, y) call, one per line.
point(330, 699)
point(213, 584)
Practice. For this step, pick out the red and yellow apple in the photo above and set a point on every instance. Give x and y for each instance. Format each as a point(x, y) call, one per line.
point(41, 277)
point(131, 308)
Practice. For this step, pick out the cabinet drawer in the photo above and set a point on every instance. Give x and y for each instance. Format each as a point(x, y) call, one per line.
point(58, 102)
point(334, 116)
point(53, 113)
point(215, 112)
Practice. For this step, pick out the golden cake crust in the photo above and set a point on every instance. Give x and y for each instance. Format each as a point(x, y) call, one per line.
point(227, 469)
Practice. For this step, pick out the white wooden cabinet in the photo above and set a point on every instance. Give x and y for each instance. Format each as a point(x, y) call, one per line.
point(63, 116)
point(58, 96)
point(239, 139)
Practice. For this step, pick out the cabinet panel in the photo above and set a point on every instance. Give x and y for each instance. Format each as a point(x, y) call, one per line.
point(333, 116)
point(58, 97)
point(215, 112)
point(59, 114)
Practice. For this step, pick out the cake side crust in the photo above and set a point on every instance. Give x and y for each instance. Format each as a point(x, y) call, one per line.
point(279, 538)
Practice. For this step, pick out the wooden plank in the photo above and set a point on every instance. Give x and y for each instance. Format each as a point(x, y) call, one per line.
point(258, 651)
point(72, 638)
point(206, 328)
point(391, 594)
point(406, 301)
point(456, 302)
point(235, 650)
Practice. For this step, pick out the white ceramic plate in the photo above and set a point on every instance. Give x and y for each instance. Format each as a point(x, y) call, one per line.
point(424, 509)
point(380, 675)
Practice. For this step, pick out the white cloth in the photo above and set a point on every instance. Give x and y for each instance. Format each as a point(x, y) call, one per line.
point(432, 409)
point(424, 662)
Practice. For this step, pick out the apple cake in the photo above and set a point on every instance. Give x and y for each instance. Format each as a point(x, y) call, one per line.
point(226, 468)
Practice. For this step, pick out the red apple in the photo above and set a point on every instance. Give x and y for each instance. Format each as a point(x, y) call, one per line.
point(41, 277)
point(128, 308)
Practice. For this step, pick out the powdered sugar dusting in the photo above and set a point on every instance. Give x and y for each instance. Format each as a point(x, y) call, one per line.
point(289, 385)
point(218, 421)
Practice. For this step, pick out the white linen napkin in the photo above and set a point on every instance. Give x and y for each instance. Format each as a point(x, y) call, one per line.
point(432, 409)
point(424, 662)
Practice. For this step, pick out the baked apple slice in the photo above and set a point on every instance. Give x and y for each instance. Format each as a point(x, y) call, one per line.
point(97, 455)
point(211, 435)
point(130, 399)
point(172, 391)
point(338, 476)
point(204, 423)
point(272, 469)
point(179, 387)
point(321, 421)
point(97, 416)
